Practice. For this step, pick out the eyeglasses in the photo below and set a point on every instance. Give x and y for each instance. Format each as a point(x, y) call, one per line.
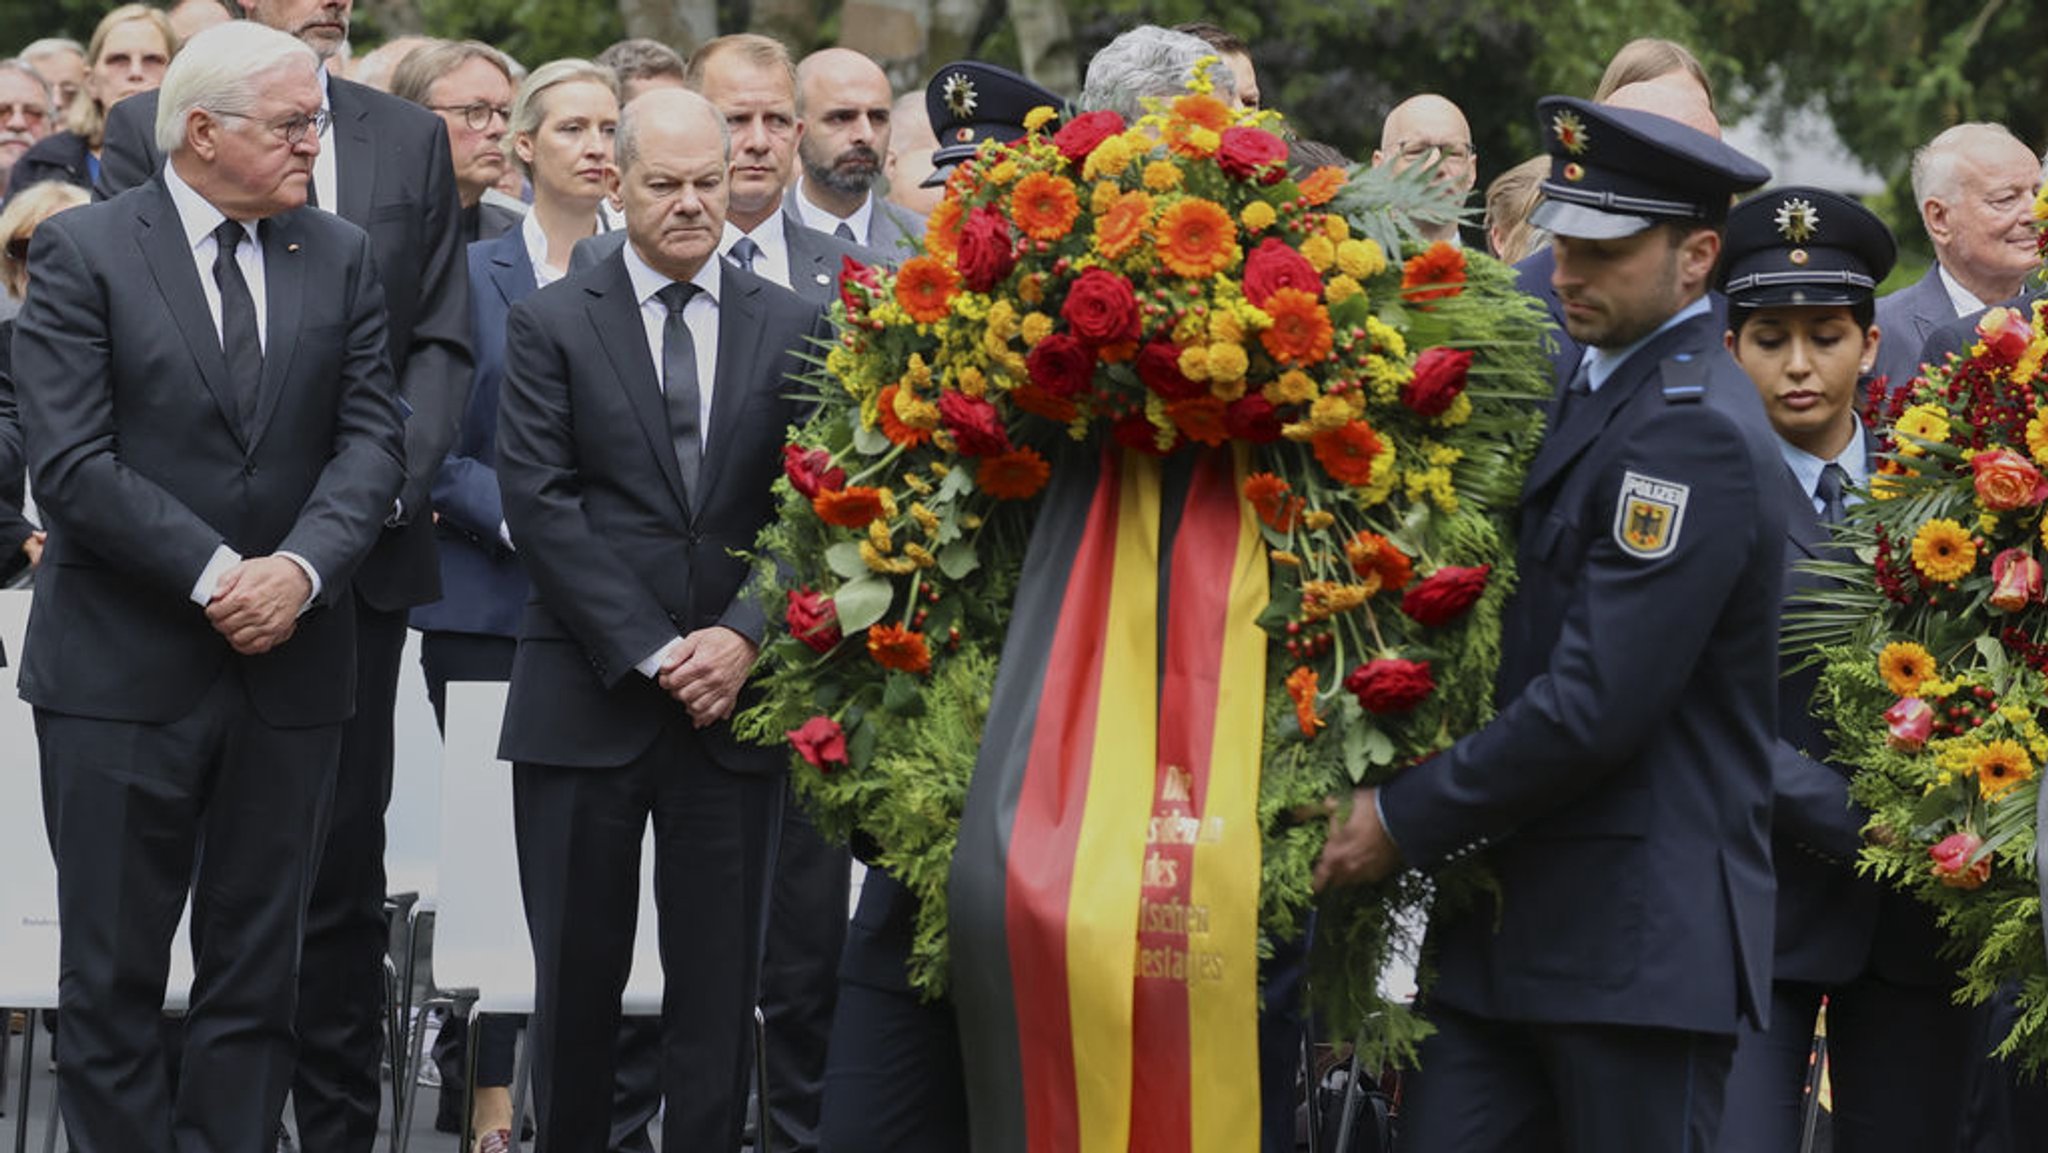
point(292, 128)
point(477, 114)
point(1420, 149)
point(33, 113)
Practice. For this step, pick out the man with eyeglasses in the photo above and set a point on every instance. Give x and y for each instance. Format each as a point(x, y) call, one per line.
point(1430, 130)
point(383, 166)
point(469, 84)
point(24, 113)
point(215, 445)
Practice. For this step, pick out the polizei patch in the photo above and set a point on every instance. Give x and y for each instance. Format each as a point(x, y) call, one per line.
point(1648, 515)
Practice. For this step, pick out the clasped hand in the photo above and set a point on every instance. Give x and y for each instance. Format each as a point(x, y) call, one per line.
point(705, 671)
point(256, 605)
point(1359, 849)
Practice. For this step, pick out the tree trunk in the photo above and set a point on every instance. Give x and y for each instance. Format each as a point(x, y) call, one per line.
point(794, 22)
point(1045, 41)
point(952, 26)
point(892, 33)
point(680, 24)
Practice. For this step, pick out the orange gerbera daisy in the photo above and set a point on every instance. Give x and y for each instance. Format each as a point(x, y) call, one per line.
point(1347, 451)
point(1321, 186)
point(1378, 563)
point(896, 647)
point(1122, 227)
point(1206, 111)
point(892, 424)
point(1273, 501)
point(1301, 686)
point(1905, 666)
point(2001, 766)
point(942, 228)
point(1200, 419)
point(925, 288)
point(1045, 206)
point(848, 507)
point(1301, 332)
point(1196, 238)
point(1014, 475)
point(1434, 274)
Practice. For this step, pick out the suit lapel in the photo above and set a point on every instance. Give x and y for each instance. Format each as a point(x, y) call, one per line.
point(511, 270)
point(615, 314)
point(284, 293)
point(1802, 524)
point(1563, 445)
point(162, 240)
point(741, 319)
point(355, 156)
point(812, 271)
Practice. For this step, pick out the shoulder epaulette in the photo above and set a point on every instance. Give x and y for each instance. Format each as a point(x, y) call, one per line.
point(1685, 379)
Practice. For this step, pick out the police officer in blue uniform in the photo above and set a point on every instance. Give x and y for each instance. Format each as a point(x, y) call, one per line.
point(1799, 267)
point(1621, 798)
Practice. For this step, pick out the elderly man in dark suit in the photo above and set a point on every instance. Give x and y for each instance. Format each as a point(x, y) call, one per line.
point(384, 166)
point(639, 434)
point(1974, 185)
point(843, 101)
point(215, 444)
point(1623, 793)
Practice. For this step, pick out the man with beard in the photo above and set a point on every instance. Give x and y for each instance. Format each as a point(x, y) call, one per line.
point(843, 99)
point(25, 117)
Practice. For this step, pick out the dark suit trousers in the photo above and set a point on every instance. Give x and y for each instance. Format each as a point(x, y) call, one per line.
point(1483, 1085)
point(224, 806)
point(341, 974)
point(579, 834)
point(800, 973)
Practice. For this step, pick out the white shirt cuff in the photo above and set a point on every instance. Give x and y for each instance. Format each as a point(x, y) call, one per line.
point(312, 578)
point(651, 667)
point(224, 558)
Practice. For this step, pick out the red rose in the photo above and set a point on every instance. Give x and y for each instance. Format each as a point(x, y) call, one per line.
point(1390, 686)
point(812, 619)
point(1445, 596)
point(853, 277)
point(976, 429)
point(1273, 266)
point(1252, 152)
point(2005, 335)
point(1952, 864)
point(1439, 379)
point(986, 253)
point(1079, 136)
point(1138, 434)
point(811, 472)
point(1159, 368)
point(821, 742)
point(1100, 308)
point(1061, 366)
point(1252, 418)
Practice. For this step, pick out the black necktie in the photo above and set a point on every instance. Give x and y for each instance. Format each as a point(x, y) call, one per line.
point(845, 232)
point(1828, 490)
point(239, 341)
point(1572, 398)
point(679, 383)
point(745, 252)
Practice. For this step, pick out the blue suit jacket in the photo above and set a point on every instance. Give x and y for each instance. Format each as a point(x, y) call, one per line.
point(1623, 793)
point(483, 586)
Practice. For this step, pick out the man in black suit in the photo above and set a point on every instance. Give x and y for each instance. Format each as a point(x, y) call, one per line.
point(469, 83)
point(1622, 795)
point(384, 166)
point(644, 409)
point(215, 444)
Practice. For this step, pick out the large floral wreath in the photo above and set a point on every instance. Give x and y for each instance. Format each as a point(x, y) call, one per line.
point(1935, 647)
point(1165, 284)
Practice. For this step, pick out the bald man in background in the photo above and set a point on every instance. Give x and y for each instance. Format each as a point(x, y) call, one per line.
point(843, 100)
point(911, 144)
point(1428, 129)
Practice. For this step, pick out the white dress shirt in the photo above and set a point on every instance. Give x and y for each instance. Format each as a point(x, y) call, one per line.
point(1965, 301)
point(1806, 467)
point(824, 221)
point(769, 237)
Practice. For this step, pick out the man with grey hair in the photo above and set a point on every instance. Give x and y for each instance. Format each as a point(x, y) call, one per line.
point(61, 64)
point(1149, 61)
point(642, 65)
point(214, 444)
point(639, 434)
point(1974, 185)
point(25, 114)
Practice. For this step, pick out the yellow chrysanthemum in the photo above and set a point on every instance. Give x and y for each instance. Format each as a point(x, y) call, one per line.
point(1035, 327)
point(1293, 387)
point(1003, 173)
point(1905, 667)
point(1283, 557)
point(1160, 175)
point(1386, 338)
point(927, 520)
point(1432, 484)
point(1225, 327)
point(1321, 600)
point(1384, 475)
point(1363, 259)
point(1102, 196)
point(1922, 422)
point(1337, 228)
point(1459, 412)
point(970, 380)
point(1341, 288)
point(1227, 362)
point(2000, 767)
point(1943, 551)
point(1039, 117)
point(1194, 362)
point(1109, 159)
point(1258, 216)
point(887, 565)
point(1320, 252)
point(1316, 519)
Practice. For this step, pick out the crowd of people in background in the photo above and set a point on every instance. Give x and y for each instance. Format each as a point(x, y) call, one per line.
point(508, 509)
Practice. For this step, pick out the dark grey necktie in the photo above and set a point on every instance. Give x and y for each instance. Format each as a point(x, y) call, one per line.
point(845, 232)
point(1828, 490)
point(1572, 398)
point(240, 343)
point(745, 252)
point(679, 383)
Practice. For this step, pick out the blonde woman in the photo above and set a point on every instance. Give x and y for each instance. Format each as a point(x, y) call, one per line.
point(128, 54)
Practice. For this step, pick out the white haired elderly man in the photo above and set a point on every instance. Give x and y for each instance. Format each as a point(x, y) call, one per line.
point(214, 443)
point(1149, 61)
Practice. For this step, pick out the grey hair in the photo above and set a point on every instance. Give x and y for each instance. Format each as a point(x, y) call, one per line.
point(51, 46)
point(626, 142)
point(222, 70)
point(1148, 61)
point(20, 67)
point(1934, 163)
point(527, 109)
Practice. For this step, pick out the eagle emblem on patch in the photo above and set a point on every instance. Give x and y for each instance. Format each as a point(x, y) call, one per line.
point(1648, 515)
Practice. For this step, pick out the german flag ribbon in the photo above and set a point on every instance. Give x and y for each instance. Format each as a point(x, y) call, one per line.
point(1104, 898)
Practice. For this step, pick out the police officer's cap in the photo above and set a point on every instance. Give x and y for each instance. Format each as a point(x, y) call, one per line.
point(1617, 171)
point(970, 102)
point(1803, 246)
